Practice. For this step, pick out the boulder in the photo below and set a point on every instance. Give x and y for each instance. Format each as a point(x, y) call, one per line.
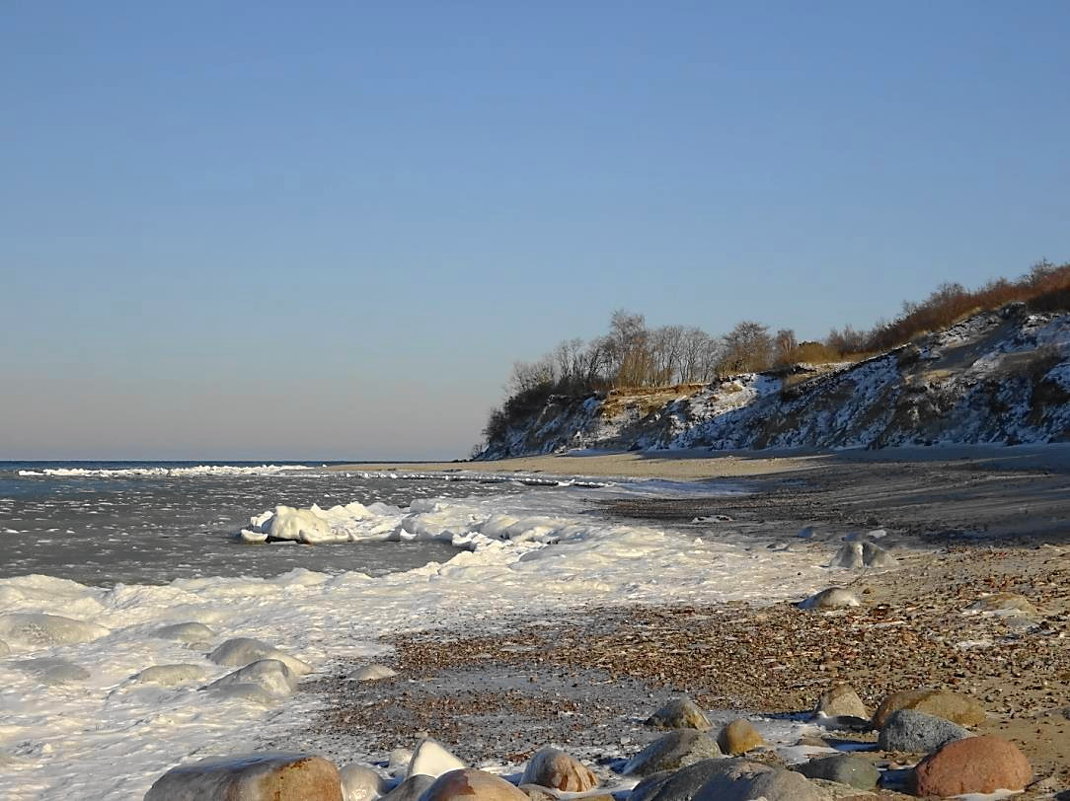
point(675, 750)
point(974, 765)
point(743, 780)
point(411, 789)
point(832, 598)
point(189, 632)
point(469, 784)
point(842, 769)
point(431, 758)
point(360, 783)
point(551, 767)
point(841, 701)
point(270, 675)
point(256, 777)
point(679, 713)
point(169, 675)
point(241, 651)
point(38, 630)
point(739, 737)
point(52, 670)
point(373, 673)
point(942, 703)
point(917, 733)
point(679, 785)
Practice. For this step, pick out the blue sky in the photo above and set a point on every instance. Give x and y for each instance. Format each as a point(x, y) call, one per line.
point(326, 230)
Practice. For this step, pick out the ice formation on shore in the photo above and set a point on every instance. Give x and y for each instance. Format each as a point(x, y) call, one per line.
point(523, 552)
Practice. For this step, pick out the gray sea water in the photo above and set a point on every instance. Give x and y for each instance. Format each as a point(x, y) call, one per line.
point(105, 523)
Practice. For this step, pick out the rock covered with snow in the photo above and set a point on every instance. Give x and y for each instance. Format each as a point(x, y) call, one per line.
point(360, 783)
point(38, 630)
point(241, 651)
point(269, 675)
point(169, 675)
point(53, 670)
point(431, 758)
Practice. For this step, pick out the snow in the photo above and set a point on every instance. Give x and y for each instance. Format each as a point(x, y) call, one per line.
point(106, 736)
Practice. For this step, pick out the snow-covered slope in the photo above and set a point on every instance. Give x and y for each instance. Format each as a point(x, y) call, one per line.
point(997, 377)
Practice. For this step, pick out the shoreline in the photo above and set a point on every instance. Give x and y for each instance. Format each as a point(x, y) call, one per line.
point(972, 522)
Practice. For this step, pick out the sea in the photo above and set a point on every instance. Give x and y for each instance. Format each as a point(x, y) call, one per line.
point(97, 559)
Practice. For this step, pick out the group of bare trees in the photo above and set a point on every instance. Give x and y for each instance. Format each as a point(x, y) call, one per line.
point(633, 355)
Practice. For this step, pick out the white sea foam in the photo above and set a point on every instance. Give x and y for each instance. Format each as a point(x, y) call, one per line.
point(168, 472)
point(105, 737)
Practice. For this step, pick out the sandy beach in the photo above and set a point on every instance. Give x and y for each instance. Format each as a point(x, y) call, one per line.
point(965, 523)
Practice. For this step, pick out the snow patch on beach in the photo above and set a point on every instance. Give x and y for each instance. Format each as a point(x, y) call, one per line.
point(99, 734)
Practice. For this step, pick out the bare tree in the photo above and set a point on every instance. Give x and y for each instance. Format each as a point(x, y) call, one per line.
point(784, 346)
point(748, 348)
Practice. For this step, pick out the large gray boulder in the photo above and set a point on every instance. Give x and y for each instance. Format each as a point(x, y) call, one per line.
point(256, 777)
point(675, 750)
point(843, 769)
point(743, 780)
point(917, 733)
point(679, 785)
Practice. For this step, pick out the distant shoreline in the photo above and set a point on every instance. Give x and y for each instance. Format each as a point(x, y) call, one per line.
point(702, 464)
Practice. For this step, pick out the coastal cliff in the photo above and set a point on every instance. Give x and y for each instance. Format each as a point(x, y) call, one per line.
point(997, 377)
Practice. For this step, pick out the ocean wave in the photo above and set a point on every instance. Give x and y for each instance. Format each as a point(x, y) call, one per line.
point(166, 472)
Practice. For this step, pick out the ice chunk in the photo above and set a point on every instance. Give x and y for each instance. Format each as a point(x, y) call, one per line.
point(37, 630)
point(270, 675)
point(242, 651)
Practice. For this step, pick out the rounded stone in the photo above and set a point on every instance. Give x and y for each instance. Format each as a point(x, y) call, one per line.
point(944, 704)
point(915, 732)
point(841, 701)
point(256, 777)
point(842, 769)
point(469, 784)
point(832, 598)
point(675, 750)
point(739, 737)
point(679, 713)
point(974, 765)
point(551, 767)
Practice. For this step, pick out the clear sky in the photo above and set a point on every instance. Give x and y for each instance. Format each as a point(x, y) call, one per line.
point(326, 230)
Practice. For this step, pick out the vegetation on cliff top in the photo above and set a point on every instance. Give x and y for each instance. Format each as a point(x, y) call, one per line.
point(632, 356)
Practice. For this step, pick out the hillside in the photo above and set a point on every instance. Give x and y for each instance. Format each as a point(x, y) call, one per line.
point(997, 377)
